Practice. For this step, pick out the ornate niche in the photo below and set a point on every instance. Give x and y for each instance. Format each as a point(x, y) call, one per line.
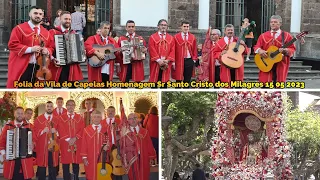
point(105, 97)
point(133, 97)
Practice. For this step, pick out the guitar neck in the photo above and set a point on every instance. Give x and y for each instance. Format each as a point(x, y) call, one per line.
point(289, 43)
point(104, 156)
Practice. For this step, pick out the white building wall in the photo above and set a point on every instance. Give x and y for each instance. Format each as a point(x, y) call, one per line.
point(143, 12)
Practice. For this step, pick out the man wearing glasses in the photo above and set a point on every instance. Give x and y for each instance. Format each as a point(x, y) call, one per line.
point(209, 66)
point(162, 53)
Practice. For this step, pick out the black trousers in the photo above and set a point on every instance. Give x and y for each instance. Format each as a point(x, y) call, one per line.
point(52, 170)
point(188, 68)
point(115, 177)
point(155, 143)
point(217, 74)
point(64, 75)
point(129, 73)
point(16, 171)
point(66, 171)
point(30, 73)
point(274, 73)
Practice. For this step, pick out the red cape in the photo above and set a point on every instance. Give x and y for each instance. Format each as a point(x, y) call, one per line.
point(225, 75)
point(22, 37)
point(155, 51)
point(75, 69)
point(264, 42)
point(8, 166)
point(42, 140)
point(180, 51)
point(137, 66)
point(94, 74)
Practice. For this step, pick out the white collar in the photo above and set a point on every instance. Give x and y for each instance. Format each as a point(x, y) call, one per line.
point(226, 39)
point(103, 39)
point(278, 31)
point(182, 34)
point(71, 114)
point(32, 26)
point(16, 123)
point(63, 29)
point(46, 115)
point(137, 128)
point(99, 127)
point(161, 33)
point(108, 120)
point(133, 35)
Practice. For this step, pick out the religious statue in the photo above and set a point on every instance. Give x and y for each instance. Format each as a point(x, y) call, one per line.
point(255, 150)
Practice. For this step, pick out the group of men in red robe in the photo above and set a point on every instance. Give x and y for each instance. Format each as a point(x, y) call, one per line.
point(78, 143)
point(170, 56)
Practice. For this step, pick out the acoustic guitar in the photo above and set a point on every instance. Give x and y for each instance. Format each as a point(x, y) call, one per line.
point(104, 169)
point(116, 158)
point(233, 57)
point(108, 51)
point(274, 55)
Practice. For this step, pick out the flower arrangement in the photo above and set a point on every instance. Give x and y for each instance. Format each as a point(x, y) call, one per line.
point(267, 105)
point(7, 107)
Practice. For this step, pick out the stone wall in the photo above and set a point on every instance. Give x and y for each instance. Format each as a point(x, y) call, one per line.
point(180, 10)
point(310, 19)
point(311, 48)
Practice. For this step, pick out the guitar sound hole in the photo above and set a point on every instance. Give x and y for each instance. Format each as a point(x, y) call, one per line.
point(107, 51)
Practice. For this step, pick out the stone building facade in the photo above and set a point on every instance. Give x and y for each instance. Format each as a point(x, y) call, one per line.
point(179, 10)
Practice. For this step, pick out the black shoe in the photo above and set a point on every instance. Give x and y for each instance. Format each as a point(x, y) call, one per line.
point(83, 172)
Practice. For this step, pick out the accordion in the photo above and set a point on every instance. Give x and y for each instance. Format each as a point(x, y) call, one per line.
point(69, 49)
point(19, 143)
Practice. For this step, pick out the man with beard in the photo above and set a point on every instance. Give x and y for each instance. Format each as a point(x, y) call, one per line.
point(162, 53)
point(134, 70)
point(228, 74)
point(275, 37)
point(104, 73)
point(24, 46)
point(70, 129)
point(209, 67)
point(69, 72)
point(46, 124)
point(21, 168)
point(186, 54)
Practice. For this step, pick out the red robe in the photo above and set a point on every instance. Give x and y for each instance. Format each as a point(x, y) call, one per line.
point(158, 48)
point(22, 37)
point(225, 75)
point(94, 74)
point(191, 43)
point(75, 72)
point(42, 140)
point(90, 148)
point(137, 66)
point(151, 123)
point(8, 166)
point(264, 42)
point(207, 67)
point(64, 110)
point(130, 145)
point(70, 128)
point(110, 129)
